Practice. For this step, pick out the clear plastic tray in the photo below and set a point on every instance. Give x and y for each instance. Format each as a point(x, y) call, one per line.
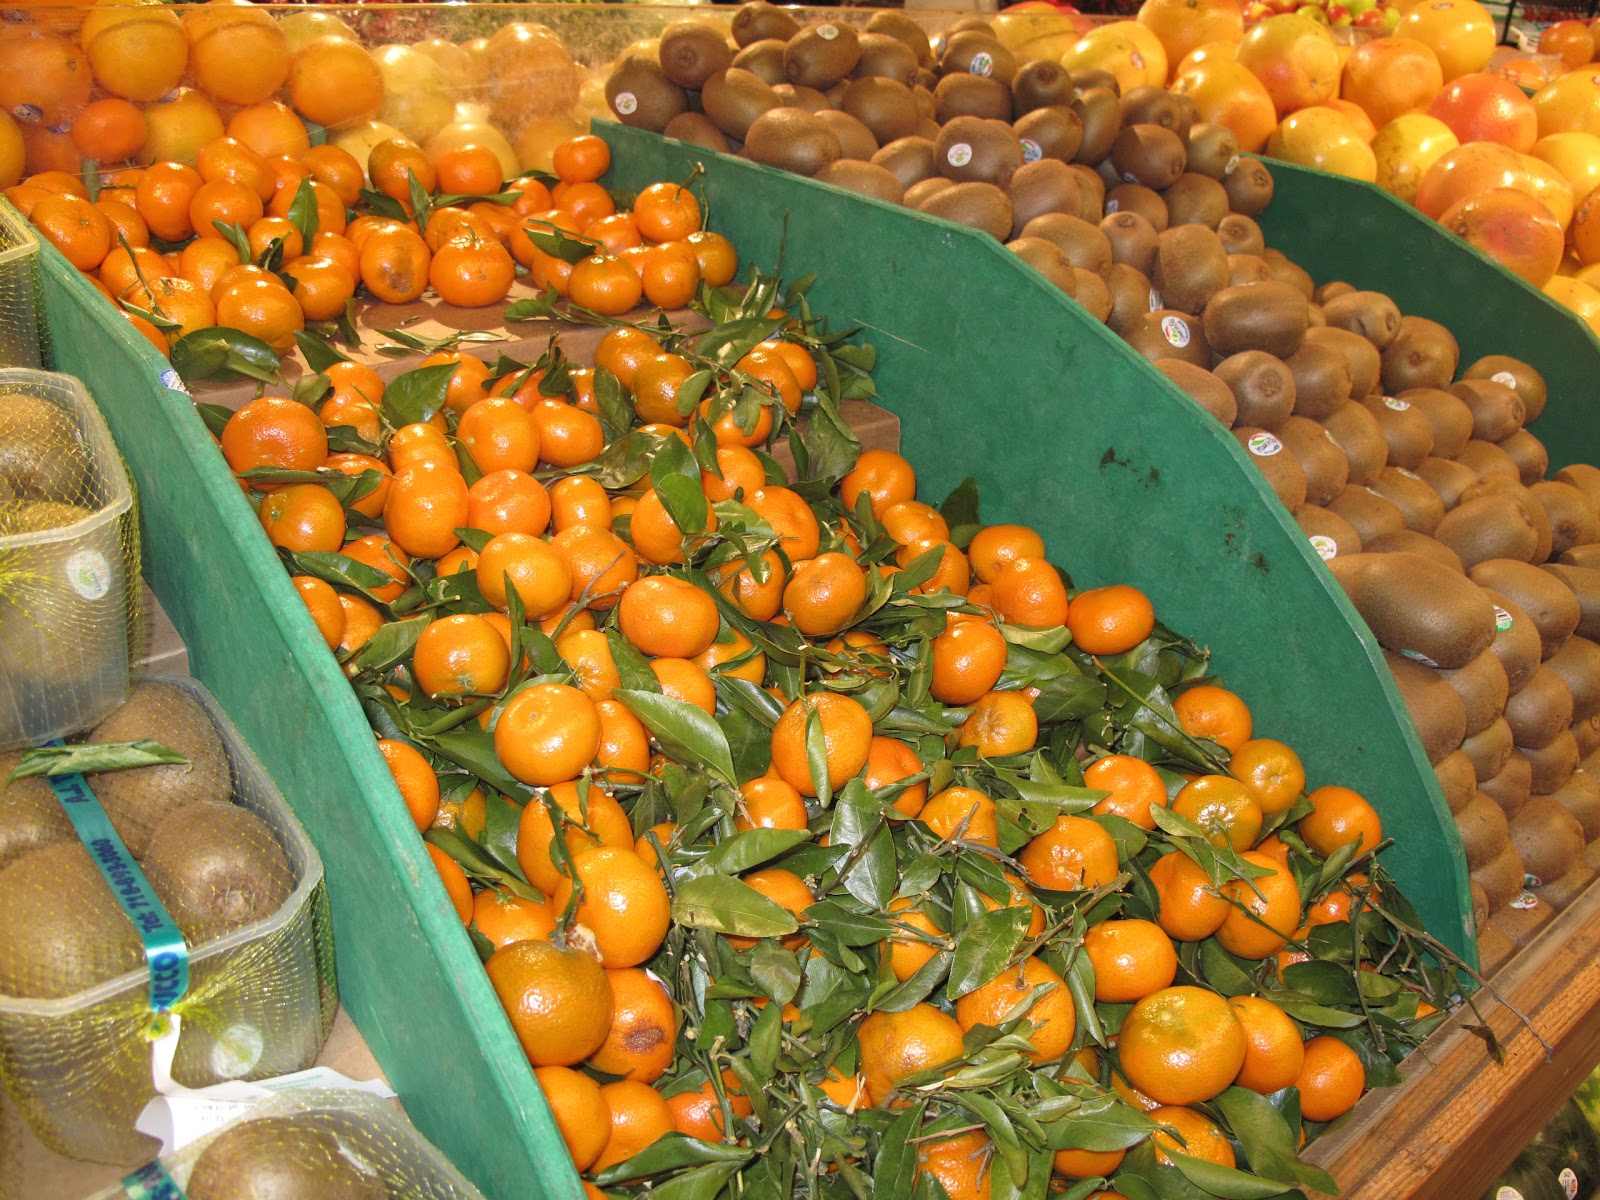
point(21, 292)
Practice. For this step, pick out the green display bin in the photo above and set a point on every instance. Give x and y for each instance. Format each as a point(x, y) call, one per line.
point(1340, 228)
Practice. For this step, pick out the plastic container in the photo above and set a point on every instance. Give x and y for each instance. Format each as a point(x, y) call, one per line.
point(260, 1003)
point(69, 595)
point(21, 292)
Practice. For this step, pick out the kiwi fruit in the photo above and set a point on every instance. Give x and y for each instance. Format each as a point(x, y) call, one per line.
point(1324, 464)
point(762, 59)
point(885, 106)
point(1521, 922)
point(1512, 785)
point(142, 799)
point(1152, 106)
point(1241, 235)
point(269, 1158)
point(1483, 688)
point(1494, 947)
point(1281, 469)
point(1435, 709)
point(1573, 519)
point(1268, 317)
point(1423, 353)
point(855, 139)
point(1408, 432)
point(1359, 354)
point(1578, 665)
point(1048, 259)
point(980, 205)
point(1262, 386)
point(1135, 197)
point(1561, 893)
point(1548, 838)
point(821, 54)
point(808, 99)
point(1322, 385)
point(1191, 267)
point(1052, 132)
point(1130, 298)
point(1084, 245)
point(1457, 779)
point(1497, 411)
point(1584, 583)
point(692, 51)
point(217, 867)
point(1044, 186)
point(1084, 78)
point(1583, 477)
point(885, 57)
point(641, 95)
point(1211, 149)
point(1485, 832)
point(30, 814)
point(1334, 287)
point(734, 98)
point(1541, 710)
point(1447, 415)
point(1583, 556)
point(758, 20)
point(863, 178)
point(698, 130)
point(918, 194)
point(1372, 315)
point(1530, 455)
point(1249, 185)
point(43, 456)
point(1371, 514)
point(1149, 155)
point(1496, 485)
point(1417, 607)
point(1330, 534)
point(1487, 460)
point(1515, 374)
point(1449, 479)
point(908, 159)
point(976, 149)
point(1417, 502)
point(1489, 750)
point(1132, 240)
point(1585, 732)
point(1165, 333)
point(973, 52)
point(1580, 796)
point(63, 929)
point(1090, 290)
point(1548, 602)
point(1516, 641)
point(792, 139)
point(1488, 527)
point(971, 96)
point(1101, 114)
point(1249, 268)
point(906, 29)
point(1204, 388)
point(1288, 271)
point(1041, 83)
point(1407, 541)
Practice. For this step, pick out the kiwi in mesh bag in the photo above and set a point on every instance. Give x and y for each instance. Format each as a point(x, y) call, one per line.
point(30, 814)
point(280, 1158)
point(141, 799)
point(61, 929)
point(216, 867)
point(42, 455)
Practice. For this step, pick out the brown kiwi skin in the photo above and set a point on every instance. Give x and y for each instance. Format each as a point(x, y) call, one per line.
point(1486, 527)
point(1085, 246)
point(918, 194)
point(1436, 711)
point(884, 106)
point(1419, 607)
point(909, 159)
point(978, 53)
point(763, 59)
point(1325, 466)
point(1093, 192)
point(658, 99)
point(1089, 290)
point(1529, 505)
point(886, 57)
point(1530, 455)
point(907, 29)
point(1573, 519)
point(1249, 186)
point(1457, 779)
point(1584, 583)
point(1269, 316)
point(793, 139)
point(692, 51)
point(1371, 514)
point(1578, 664)
point(1525, 381)
point(1419, 503)
point(755, 21)
point(1202, 386)
point(1540, 711)
point(1249, 268)
point(1322, 380)
point(1548, 602)
point(1490, 750)
point(1334, 287)
point(1287, 270)
point(971, 96)
point(1408, 541)
point(1488, 461)
point(1040, 83)
point(1450, 479)
point(1408, 432)
point(1056, 131)
point(1134, 197)
point(1497, 410)
point(1319, 522)
point(993, 151)
point(1450, 417)
point(1422, 354)
point(1084, 78)
point(1359, 354)
point(1359, 436)
point(1130, 297)
point(1191, 267)
point(863, 178)
point(1152, 106)
point(1195, 199)
point(1262, 388)
point(1211, 148)
point(977, 204)
point(1132, 240)
point(1280, 468)
point(1241, 235)
point(1101, 113)
point(1145, 334)
point(1484, 835)
point(1483, 689)
point(1044, 186)
point(1511, 786)
point(1148, 154)
point(813, 59)
point(698, 130)
point(1370, 314)
point(1048, 259)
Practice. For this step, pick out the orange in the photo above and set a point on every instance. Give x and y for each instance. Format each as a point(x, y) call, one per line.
point(799, 533)
point(547, 733)
point(1273, 1052)
point(670, 276)
point(890, 760)
point(264, 309)
point(1191, 907)
point(223, 202)
point(718, 260)
point(361, 621)
point(918, 939)
point(323, 604)
point(655, 391)
point(729, 646)
point(456, 885)
point(273, 431)
point(504, 918)
point(589, 820)
point(1460, 32)
point(1227, 93)
point(270, 129)
point(469, 171)
point(416, 779)
point(1135, 786)
point(961, 1164)
point(1074, 853)
point(508, 501)
point(1212, 712)
point(1330, 1080)
point(993, 546)
point(848, 1092)
point(322, 286)
point(824, 594)
point(500, 435)
point(623, 351)
point(699, 1113)
point(758, 599)
point(335, 82)
point(1272, 771)
point(883, 476)
point(846, 734)
point(1338, 817)
point(558, 1000)
point(581, 159)
point(75, 227)
point(1181, 1045)
point(897, 1045)
point(968, 659)
point(303, 516)
point(1001, 723)
point(644, 1028)
point(604, 284)
point(770, 804)
point(175, 299)
point(588, 653)
point(1110, 620)
point(788, 890)
point(471, 272)
point(1029, 591)
point(178, 126)
point(666, 212)
point(1572, 41)
point(911, 521)
point(568, 436)
point(1131, 959)
point(381, 554)
point(579, 1109)
point(394, 265)
point(600, 562)
point(1224, 808)
point(579, 500)
point(1086, 1164)
point(162, 197)
point(1051, 1012)
point(639, 1117)
point(425, 506)
point(1196, 1136)
point(1018, 897)
point(1266, 910)
point(535, 569)
point(667, 616)
point(1486, 108)
point(460, 655)
point(624, 907)
point(624, 745)
point(964, 813)
point(236, 55)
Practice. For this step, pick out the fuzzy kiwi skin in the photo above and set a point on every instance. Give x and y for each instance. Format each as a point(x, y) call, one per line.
point(1370, 314)
point(1548, 601)
point(1515, 374)
point(1326, 469)
point(1408, 541)
point(1166, 333)
point(1203, 387)
point(1270, 316)
point(1372, 515)
point(1574, 520)
point(1048, 259)
point(1422, 354)
point(1414, 605)
point(1435, 709)
point(1420, 504)
point(1584, 583)
point(1277, 464)
point(1263, 387)
point(1330, 533)
point(1360, 437)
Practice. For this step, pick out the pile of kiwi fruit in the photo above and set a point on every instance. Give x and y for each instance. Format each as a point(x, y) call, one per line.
point(305, 1156)
point(215, 866)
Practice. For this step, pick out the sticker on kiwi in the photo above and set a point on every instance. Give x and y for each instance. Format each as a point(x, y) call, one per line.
point(1409, 474)
point(959, 155)
point(1031, 150)
point(236, 1051)
point(1129, 177)
point(1175, 330)
point(626, 104)
point(827, 32)
point(1505, 377)
point(982, 64)
point(1507, 1192)
point(1231, 164)
point(1525, 901)
point(1112, 206)
point(1568, 1179)
point(1502, 619)
point(1156, 302)
point(1531, 881)
point(1325, 546)
point(1397, 404)
point(1419, 656)
point(89, 574)
point(1263, 444)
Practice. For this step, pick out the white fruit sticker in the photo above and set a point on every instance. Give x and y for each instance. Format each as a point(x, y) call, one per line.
point(827, 32)
point(982, 64)
point(959, 155)
point(1325, 546)
point(1505, 1193)
point(1137, 60)
point(1231, 164)
point(1397, 405)
point(1568, 1179)
point(1505, 377)
point(1155, 300)
point(1531, 881)
point(1175, 330)
point(1502, 619)
point(236, 1051)
point(1409, 474)
point(626, 104)
point(1417, 655)
point(89, 574)
point(1112, 206)
point(1129, 177)
point(1264, 445)
point(171, 380)
point(1525, 901)
point(1031, 150)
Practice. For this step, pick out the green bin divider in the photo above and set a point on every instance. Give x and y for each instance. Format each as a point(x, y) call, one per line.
point(1339, 228)
point(407, 973)
point(995, 374)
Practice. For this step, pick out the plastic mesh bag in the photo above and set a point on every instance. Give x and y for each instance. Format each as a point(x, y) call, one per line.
point(234, 870)
point(316, 1142)
point(21, 291)
point(69, 560)
point(10, 1150)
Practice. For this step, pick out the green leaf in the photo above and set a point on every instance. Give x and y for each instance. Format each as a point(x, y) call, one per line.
point(319, 355)
point(849, 926)
point(417, 395)
point(339, 569)
point(88, 757)
point(222, 353)
point(557, 242)
point(775, 970)
point(724, 904)
point(1267, 1140)
point(960, 507)
point(895, 1168)
point(1101, 1124)
point(303, 211)
point(872, 877)
point(831, 444)
point(237, 237)
point(685, 731)
point(985, 946)
point(750, 848)
point(1230, 1183)
point(214, 416)
point(391, 644)
point(673, 1152)
point(625, 461)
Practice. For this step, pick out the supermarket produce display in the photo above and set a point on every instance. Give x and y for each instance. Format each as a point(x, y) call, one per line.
point(803, 815)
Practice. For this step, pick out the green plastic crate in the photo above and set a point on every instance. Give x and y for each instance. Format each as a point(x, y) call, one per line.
point(1340, 228)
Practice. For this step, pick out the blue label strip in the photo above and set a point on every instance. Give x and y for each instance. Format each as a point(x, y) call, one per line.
point(164, 948)
point(151, 1182)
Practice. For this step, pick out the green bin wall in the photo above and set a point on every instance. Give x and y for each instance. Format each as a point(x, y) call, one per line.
point(995, 374)
point(1339, 228)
